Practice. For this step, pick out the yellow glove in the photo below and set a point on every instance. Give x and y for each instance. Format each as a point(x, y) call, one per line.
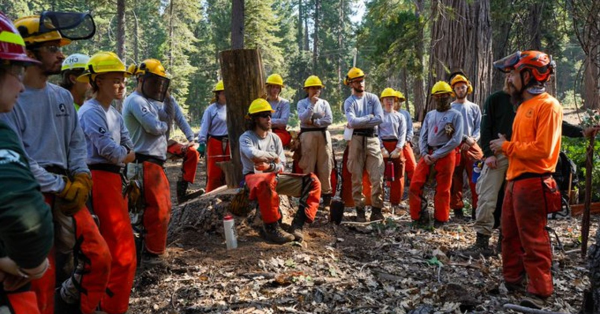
point(75, 194)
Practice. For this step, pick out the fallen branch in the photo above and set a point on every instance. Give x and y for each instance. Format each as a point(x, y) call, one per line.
point(529, 310)
point(355, 223)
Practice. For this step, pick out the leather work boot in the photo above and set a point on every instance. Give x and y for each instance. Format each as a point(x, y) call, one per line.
point(533, 301)
point(481, 246)
point(274, 233)
point(376, 214)
point(181, 191)
point(360, 214)
point(326, 202)
point(458, 214)
point(298, 225)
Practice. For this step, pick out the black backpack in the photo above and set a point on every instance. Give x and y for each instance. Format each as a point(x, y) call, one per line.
point(565, 174)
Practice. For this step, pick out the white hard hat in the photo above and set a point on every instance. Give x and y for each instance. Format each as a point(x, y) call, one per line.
point(75, 61)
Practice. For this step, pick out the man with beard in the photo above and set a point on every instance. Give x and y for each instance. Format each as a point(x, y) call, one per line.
point(263, 161)
point(47, 124)
point(531, 192)
point(469, 151)
point(147, 121)
point(441, 134)
point(364, 113)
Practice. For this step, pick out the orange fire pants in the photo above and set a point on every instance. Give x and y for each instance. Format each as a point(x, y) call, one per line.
point(444, 167)
point(215, 153)
point(346, 190)
point(158, 208)
point(89, 248)
point(410, 162)
point(526, 244)
point(266, 187)
point(19, 302)
point(397, 187)
point(190, 156)
point(284, 136)
point(467, 158)
point(115, 226)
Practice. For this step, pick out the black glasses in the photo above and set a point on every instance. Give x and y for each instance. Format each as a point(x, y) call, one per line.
point(264, 115)
point(50, 49)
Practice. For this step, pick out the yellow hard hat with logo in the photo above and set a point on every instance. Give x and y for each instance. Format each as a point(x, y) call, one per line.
point(29, 27)
point(103, 62)
point(259, 105)
point(219, 87)
point(461, 79)
point(388, 92)
point(151, 66)
point(75, 61)
point(313, 81)
point(63, 27)
point(275, 79)
point(441, 87)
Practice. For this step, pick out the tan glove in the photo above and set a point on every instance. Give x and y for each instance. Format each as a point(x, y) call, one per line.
point(385, 153)
point(395, 154)
point(75, 194)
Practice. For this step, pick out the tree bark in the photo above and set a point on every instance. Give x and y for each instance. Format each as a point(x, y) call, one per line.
point(480, 51)
point(243, 77)
point(419, 94)
point(237, 24)
point(171, 26)
point(316, 36)
point(121, 29)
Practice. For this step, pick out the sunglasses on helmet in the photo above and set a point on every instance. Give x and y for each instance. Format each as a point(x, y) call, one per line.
point(507, 63)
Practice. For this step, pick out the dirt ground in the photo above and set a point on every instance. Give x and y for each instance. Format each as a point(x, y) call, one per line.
point(382, 268)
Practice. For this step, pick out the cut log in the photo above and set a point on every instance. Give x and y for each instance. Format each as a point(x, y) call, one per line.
point(577, 209)
point(229, 171)
point(243, 77)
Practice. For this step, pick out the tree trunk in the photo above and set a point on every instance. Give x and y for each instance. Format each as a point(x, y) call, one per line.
point(171, 26)
point(136, 32)
point(590, 84)
point(316, 36)
point(237, 24)
point(480, 51)
point(342, 19)
point(243, 77)
point(419, 94)
point(300, 34)
point(120, 41)
point(405, 88)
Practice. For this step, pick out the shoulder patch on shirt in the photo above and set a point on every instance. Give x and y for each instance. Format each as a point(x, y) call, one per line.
point(144, 109)
point(529, 113)
point(102, 130)
point(10, 156)
point(63, 110)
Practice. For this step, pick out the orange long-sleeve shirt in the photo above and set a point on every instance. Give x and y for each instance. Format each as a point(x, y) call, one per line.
point(536, 137)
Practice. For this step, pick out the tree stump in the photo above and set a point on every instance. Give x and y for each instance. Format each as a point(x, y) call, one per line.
point(591, 297)
point(243, 77)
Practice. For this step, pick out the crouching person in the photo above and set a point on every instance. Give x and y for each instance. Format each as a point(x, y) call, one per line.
point(263, 161)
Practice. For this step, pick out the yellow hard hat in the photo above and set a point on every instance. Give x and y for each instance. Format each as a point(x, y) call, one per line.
point(152, 66)
point(441, 87)
point(29, 27)
point(354, 73)
point(75, 61)
point(460, 78)
point(400, 96)
point(275, 79)
point(313, 80)
point(103, 62)
point(219, 87)
point(388, 92)
point(259, 105)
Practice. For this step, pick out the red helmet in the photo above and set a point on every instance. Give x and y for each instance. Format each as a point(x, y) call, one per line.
point(12, 45)
point(540, 64)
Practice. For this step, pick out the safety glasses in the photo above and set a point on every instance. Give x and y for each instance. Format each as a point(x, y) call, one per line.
point(507, 63)
point(50, 49)
point(264, 115)
point(15, 70)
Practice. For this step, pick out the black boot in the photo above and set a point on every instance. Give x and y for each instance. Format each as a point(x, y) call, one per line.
point(181, 191)
point(376, 214)
point(274, 233)
point(481, 246)
point(298, 225)
point(326, 201)
point(499, 244)
point(360, 214)
point(458, 214)
point(61, 306)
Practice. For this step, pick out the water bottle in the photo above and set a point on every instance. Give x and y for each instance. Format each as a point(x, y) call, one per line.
point(230, 237)
point(477, 166)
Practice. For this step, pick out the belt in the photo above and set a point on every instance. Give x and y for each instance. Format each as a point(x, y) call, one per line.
point(389, 140)
point(219, 138)
point(302, 130)
point(365, 132)
point(435, 147)
point(106, 167)
point(57, 170)
point(154, 160)
point(529, 175)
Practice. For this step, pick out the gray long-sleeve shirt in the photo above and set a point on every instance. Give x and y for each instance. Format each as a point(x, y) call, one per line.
point(214, 122)
point(319, 114)
point(47, 124)
point(142, 118)
point(105, 133)
point(280, 117)
point(359, 110)
point(433, 132)
point(393, 127)
point(252, 146)
point(409, 125)
point(471, 118)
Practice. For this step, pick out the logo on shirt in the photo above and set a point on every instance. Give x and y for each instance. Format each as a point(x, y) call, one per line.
point(102, 130)
point(10, 156)
point(63, 110)
point(529, 113)
point(144, 110)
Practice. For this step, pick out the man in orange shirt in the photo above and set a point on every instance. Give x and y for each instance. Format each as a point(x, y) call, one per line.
point(531, 192)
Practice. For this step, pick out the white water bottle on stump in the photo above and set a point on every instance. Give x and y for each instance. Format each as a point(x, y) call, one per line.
point(230, 237)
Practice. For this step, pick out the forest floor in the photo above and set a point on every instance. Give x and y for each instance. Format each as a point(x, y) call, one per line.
point(383, 268)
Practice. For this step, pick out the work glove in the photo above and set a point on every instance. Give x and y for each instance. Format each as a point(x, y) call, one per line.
point(385, 153)
point(202, 149)
point(395, 154)
point(73, 197)
point(317, 115)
